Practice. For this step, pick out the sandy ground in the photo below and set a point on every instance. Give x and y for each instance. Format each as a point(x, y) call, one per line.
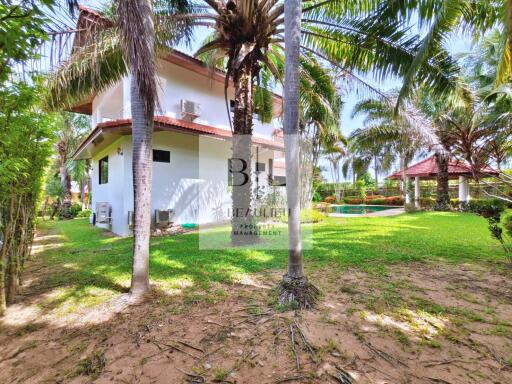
point(412, 323)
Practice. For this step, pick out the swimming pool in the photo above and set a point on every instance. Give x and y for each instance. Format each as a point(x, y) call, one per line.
point(358, 209)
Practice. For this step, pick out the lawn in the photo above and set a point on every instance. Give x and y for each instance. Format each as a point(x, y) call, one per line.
point(423, 298)
point(88, 266)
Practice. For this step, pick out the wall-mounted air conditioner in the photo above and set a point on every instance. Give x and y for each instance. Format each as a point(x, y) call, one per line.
point(131, 219)
point(163, 217)
point(103, 213)
point(190, 110)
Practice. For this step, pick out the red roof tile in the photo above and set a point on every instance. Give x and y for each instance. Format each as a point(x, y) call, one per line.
point(428, 169)
point(169, 123)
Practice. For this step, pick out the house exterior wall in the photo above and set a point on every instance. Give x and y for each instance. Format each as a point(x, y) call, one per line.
point(174, 84)
point(194, 183)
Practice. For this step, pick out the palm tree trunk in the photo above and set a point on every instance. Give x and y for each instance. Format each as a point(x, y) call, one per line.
point(442, 195)
point(295, 286)
point(142, 131)
point(65, 179)
point(242, 225)
point(376, 172)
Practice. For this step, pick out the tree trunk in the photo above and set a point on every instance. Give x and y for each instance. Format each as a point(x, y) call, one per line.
point(82, 192)
point(402, 181)
point(375, 169)
point(242, 224)
point(142, 133)
point(65, 179)
point(442, 195)
point(295, 286)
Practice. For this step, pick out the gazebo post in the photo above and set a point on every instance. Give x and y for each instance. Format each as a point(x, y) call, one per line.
point(463, 189)
point(406, 191)
point(417, 192)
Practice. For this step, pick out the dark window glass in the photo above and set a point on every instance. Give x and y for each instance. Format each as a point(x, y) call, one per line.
point(270, 167)
point(232, 105)
point(260, 167)
point(161, 156)
point(103, 171)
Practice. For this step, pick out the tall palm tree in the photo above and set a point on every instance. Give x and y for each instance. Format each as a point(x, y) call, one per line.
point(122, 42)
point(248, 34)
point(137, 32)
point(294, 287)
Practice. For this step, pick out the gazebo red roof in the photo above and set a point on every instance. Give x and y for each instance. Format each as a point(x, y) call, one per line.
point(427, 169)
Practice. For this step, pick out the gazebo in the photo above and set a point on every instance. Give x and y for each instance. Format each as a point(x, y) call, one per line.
point(427, 170)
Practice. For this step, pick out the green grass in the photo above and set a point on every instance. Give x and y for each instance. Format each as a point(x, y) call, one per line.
point(91, 266)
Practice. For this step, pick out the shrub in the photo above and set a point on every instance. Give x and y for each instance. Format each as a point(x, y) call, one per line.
point(376, 201)
point(75, 209)
point(84, 213)
point(487, 207)
point(353, 200)
point(330, 199)
point(395, 200)
point(308, 215)
point(455, 203)
point(507, 222)
point(427, 202)
point(316, 197)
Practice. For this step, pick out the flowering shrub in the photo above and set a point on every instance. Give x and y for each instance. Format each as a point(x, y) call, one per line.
point(330, 199)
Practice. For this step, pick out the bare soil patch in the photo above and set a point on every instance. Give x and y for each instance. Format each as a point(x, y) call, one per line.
point(408, 323)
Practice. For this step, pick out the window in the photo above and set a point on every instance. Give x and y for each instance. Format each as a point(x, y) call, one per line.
point(161, 156)
point(260, 167)
point(232, 105)
point(103, 170)
point(270, 168)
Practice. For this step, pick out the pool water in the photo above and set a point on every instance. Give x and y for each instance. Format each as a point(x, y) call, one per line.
point(358, 209)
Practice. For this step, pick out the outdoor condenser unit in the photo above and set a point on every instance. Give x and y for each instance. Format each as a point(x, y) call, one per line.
point(131, 219)
point(163, 217)
point(190, 110)
point(103, 213)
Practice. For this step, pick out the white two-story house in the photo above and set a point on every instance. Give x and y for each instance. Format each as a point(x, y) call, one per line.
point(191, 146)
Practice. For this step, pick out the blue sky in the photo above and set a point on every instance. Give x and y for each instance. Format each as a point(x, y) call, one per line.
point(457, 44)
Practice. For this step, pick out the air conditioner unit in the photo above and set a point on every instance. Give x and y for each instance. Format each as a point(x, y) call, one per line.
point(103, 213)
point(163, 217)
point(131, 219)
point(190, 110)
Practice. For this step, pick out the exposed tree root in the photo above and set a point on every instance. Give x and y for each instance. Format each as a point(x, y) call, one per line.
point(297, 291)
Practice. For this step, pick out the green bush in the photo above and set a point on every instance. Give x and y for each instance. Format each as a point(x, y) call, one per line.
point(84, 213)
point(486, 207)
point(427, 202)
point(75, 209)
point(308, 215)
point(506, 220)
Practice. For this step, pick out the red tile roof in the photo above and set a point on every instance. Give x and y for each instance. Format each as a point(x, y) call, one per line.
point(163, 123)
point(428, 169)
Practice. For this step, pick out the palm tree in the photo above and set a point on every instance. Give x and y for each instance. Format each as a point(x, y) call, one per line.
point(294, 287)
point(71, 132)
point(121, 43)
point(248, 35)
point(440, 18)
point(137, 32)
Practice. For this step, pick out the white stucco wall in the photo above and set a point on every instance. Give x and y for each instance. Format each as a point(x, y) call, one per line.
point(194, 183)
point(174, 84)
point(114, 191)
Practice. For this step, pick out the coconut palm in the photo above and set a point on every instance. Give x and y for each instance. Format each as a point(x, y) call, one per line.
point(440, 18)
